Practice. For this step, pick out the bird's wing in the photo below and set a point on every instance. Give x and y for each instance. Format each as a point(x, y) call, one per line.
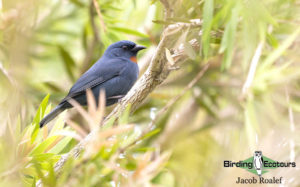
point(96, 75)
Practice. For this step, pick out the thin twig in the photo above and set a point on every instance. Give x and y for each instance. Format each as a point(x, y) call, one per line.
point(97, 7)
point(96, 39)
point(77, 128)
point(92, 20)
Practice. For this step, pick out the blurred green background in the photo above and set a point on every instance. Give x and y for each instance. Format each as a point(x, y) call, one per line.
point(249, 99)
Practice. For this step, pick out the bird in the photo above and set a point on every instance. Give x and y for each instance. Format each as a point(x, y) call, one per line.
point(114, 73)
point(258, 162)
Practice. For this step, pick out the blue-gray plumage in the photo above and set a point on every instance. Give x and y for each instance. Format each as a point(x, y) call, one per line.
point(115, 73)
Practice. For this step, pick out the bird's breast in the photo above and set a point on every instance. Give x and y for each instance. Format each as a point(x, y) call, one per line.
point(131, 72)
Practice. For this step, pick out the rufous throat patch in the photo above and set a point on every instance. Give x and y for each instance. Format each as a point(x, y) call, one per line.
point(133, 59)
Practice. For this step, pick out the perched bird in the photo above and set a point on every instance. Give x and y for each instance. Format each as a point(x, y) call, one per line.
point(115, 73)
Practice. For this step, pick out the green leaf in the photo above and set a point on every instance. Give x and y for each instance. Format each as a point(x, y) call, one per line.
point(207, 106)
point(228, 39)
point(50, 178)
point(59, 125)
point(272, 40)
point(151, 133)
point(208, 10)
point(66, 170)
point(33, 183)
point(166, 179)
point(295, 106)
point(68, 62)
point(152, 2)
point(251, 125)
point(44, 157)
point(130, 163)
point(52, 87)
point(108, 6)
point(222, 15)
point(129, 138)
point(39, 172)
point(129, 31)
point(110, 123)
point(39, 115)
point(124, 118)
point(51, 175)
point(144, 149)
point(44, 145)
point(61, 145)
point(272, 57)
point(77, 3)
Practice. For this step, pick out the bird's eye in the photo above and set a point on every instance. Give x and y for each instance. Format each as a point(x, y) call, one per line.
point(125, 47)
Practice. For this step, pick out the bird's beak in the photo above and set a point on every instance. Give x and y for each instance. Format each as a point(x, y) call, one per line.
point(138, 48)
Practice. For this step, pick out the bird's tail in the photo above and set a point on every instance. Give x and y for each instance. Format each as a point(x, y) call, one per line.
point(57, 110)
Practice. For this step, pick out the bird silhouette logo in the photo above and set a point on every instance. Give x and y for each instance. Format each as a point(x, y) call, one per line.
point(258, 162)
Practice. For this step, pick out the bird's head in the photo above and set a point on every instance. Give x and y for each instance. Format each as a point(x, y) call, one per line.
point(125, 49)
